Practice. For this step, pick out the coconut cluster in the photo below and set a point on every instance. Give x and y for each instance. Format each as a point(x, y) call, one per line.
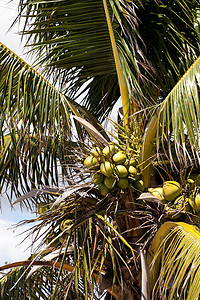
point(112, 169)
point(177, 200)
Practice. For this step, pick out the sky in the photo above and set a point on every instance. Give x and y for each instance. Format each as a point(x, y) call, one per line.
point(10, 238)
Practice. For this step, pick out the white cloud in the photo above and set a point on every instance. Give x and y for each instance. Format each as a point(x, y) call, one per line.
point(10, 248)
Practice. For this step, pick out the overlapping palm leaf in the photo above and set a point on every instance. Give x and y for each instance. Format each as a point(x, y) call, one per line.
point(76, 47)
point(174, 262)
point(39, 286)
point(84, 218)
point(179, 119)
point(83, 52)
point(35, 126)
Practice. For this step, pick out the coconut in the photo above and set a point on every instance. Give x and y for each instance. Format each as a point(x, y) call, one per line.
point(103, 189)
point(123, 183)
point(133, 172)
point(106, 168)
point(133, 162)
point(97, 178)
point(139, 185)
point(171, 190)
point(158, 193)
point(119, 157)
point(110, 182)
point(195, 203)
point(90, 162)
point(121, 171)
point(96, 152)
point(109, 150)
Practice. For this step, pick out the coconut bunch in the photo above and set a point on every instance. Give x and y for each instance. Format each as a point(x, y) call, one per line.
point(113, 169)
point(172, 195)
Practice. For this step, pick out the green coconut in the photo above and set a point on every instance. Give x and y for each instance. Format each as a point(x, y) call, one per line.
point(139, 185)
point(97, 178)
point(106, 168)
point(109, 150)
point(96, 152)
point(133, 172)
point(110, 182)
point(119, 158)
point(123, 183)
point(103, 189)
point(171, 190)
point(133, 162)
point(90, 162)
point(121, 171)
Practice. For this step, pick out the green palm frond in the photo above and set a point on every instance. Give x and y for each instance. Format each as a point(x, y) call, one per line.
point(38, 286)
point(72, 41)
point(81, 216)
point(174, 263)
point(29, 100)
point(82, 53)
point(35, 127)
point(179, 119)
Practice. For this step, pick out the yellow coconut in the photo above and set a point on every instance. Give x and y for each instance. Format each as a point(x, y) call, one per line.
point(103, 189)
point(119, 157)
point(171, 190)
point(106, 168)
point(90, 162)
point(110, 182)
point(97, 178)
point(123, 183)
point(158, 193)
point(195, 202)
point(121, 171)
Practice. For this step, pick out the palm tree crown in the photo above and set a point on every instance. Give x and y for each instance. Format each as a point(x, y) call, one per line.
point(122, 220)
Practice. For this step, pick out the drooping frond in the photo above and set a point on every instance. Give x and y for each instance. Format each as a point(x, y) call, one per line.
point(178, 124)
point(35, 126)
point(72, 42)
point(38, 286)
point(174, 264)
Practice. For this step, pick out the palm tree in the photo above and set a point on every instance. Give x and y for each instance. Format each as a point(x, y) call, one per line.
point(135, 235)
